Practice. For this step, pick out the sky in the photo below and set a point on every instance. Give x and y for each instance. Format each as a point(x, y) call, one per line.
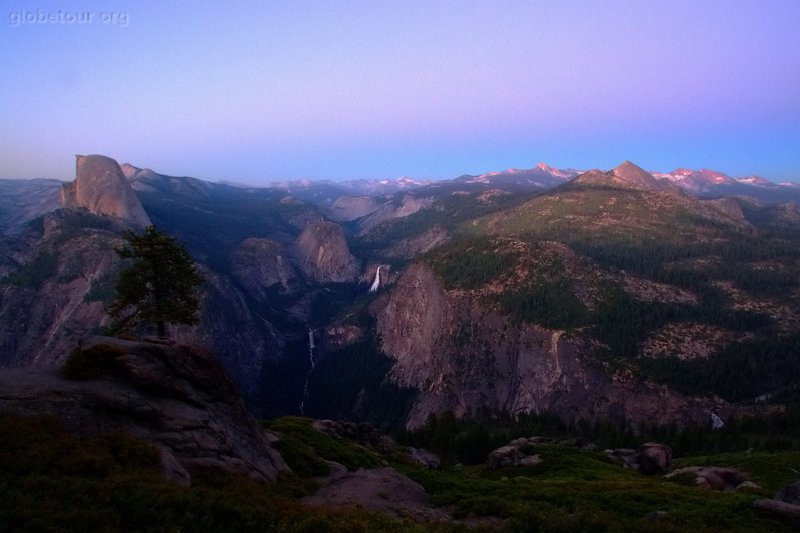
point(255, 92)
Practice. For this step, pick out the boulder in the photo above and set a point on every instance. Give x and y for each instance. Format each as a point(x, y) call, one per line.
point(702, 483)
point(176, 397)
point(504, 456)
point(650, 458)
point(384, 490)
point(425, 458)
point(778, 510)
point(714, 477)
point(625, 457)
point(530, 460)
point(790, 493)
point(654, 458)
point(748, 485)
point(714, 481)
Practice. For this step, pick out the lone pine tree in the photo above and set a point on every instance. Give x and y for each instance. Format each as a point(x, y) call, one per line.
point(158, 288)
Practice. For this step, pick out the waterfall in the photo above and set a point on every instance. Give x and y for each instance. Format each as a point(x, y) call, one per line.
point(377, 283)
point(311, 360)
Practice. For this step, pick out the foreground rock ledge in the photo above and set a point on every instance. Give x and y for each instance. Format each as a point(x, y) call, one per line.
point(176, 397)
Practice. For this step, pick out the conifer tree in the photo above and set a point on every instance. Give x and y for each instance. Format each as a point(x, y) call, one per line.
point(158, 288)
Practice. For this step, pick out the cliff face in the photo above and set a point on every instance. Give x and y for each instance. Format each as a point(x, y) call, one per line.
point(347, 208)
point(60, 280)
point(175, 397)
point(242, 340)
point(261, 263)
point(462, 356)
point(56, 289)
point(100, 187)
point(397, 208)
point(322, 254)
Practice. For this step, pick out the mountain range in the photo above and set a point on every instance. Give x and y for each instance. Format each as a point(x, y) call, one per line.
point(620, 294)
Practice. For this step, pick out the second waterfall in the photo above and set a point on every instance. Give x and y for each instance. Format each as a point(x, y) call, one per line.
point(312, 362)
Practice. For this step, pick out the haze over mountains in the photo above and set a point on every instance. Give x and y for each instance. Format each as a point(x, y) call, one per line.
point(599, 294)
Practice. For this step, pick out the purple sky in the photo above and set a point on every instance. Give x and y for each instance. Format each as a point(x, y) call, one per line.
point(261, 91)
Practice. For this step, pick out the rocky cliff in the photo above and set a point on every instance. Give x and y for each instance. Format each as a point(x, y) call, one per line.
point(100, 187)
point(261, 263)
point(58, 281)
point(322, 255)
point(59, 278)
point(347, 208)
point(176, 397)
point(462, 357)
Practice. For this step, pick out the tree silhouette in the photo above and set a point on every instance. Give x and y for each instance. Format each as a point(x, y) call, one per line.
point(159, 287)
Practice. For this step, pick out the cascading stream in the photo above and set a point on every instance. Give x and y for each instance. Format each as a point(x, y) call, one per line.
point(311, 360)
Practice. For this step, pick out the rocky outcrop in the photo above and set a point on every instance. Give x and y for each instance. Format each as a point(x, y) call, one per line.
point(175, 397)
point(513, 454)
point(322, 255)
point(384, 490)
point(363, 433)
point(59, 281)
point(100, 187)
point(424, 458)
point(785, 512)
point(650, 458)
point(261, 263)
point(784, 507)
point(397, 208)
point(714, 477)
point(731, 208)
point(419, 244)
point(346, 208)
point(57, 288)
point(790, 493)
point(463, 356)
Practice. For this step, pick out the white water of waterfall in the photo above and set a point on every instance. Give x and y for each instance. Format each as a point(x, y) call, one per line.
point(377, 283)
point(311, 360)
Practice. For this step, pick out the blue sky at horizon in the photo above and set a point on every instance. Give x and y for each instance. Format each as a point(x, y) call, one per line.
point(261, 91)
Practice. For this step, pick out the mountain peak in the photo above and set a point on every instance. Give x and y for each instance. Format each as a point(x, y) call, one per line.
point(635, 175)
point(101, 188)
point(626, 175)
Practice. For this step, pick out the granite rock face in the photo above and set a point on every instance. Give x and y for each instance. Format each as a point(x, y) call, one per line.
point(261, 263)
point(463, 356)
point(322, 255)
point(176, 397)
point(101, 188)
point(58, 280)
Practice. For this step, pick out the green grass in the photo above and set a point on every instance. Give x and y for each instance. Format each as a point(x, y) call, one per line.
point(305, 449)
point(573, 490)
point(770, 470)
point(50, 481)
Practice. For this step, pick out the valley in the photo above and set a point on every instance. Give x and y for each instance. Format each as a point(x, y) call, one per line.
point(594, 295)
point(563, 311)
